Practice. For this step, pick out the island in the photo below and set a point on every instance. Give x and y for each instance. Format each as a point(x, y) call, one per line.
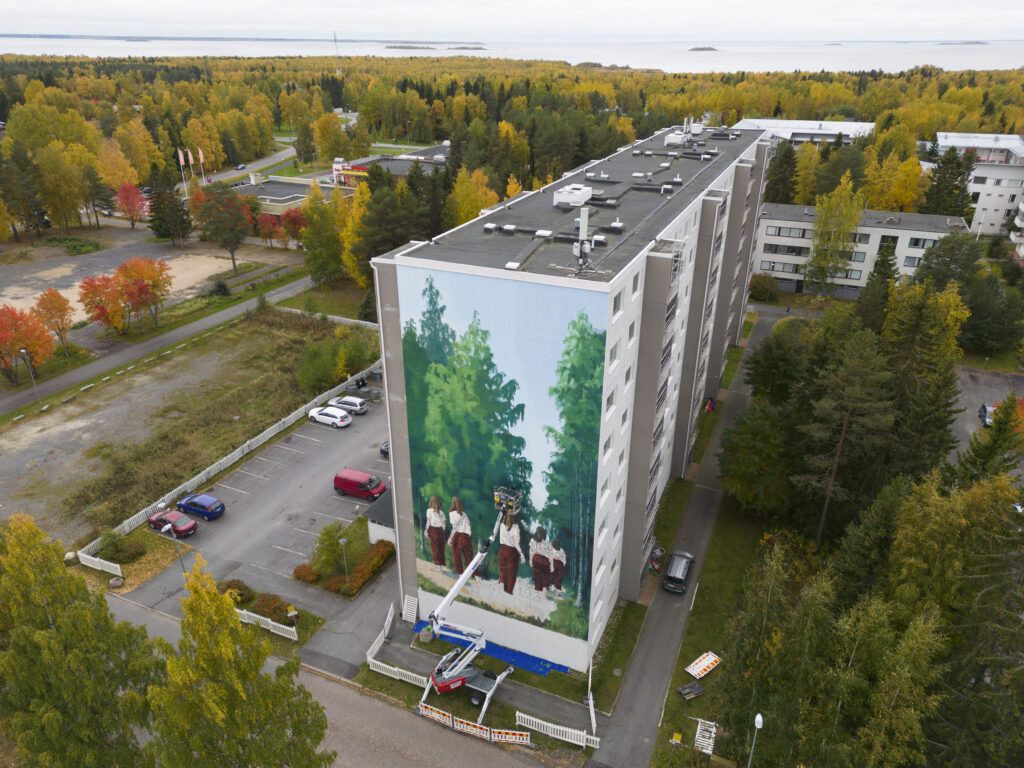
point(466, 48)
point(703, 48)
point(412, 47)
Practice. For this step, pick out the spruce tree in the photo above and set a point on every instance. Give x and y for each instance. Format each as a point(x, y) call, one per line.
point(949, 194)
point(168, 214)
point(780, 187)
point(873, 298)
point(990, 452)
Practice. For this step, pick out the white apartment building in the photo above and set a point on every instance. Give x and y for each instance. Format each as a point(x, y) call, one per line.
point(998, 178)
point(800, 131)
point(785, 236)
point(1018, 236)
point(562, 345)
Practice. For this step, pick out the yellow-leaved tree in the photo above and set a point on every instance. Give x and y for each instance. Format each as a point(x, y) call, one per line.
point(468, 197)
point(356, 268)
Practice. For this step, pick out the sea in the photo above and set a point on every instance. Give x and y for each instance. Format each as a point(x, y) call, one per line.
point(685, 56)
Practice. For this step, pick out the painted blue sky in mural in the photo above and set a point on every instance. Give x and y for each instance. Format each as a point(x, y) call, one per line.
point(527, 323)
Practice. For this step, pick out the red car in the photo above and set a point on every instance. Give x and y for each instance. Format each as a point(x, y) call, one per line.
point(181, 524)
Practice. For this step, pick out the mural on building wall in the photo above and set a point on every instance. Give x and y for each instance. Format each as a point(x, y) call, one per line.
point(504, 390)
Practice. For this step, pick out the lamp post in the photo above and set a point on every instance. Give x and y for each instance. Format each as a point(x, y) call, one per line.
point(28, 361)
point(344, 554)
point(169, 528)
point(758, 722)
point(238, 430)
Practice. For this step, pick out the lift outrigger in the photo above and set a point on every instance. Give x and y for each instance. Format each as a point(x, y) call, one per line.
point(455, 670)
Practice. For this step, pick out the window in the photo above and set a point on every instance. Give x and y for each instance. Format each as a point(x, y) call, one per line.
point(772, 230)
point(975, 196)
point(787, 232)
point(980, 180)
point(779, 266)
point(636, 282)
point(892, 240)
point(622, 457)
point(625, 416)
point(632, 330)
point(860, 237)
point(911, 261)
point(853, 274)
point(629, 374)
point(921, 242)
point(786, 250)
point(610, 400)
point(858, 256)
point(604, 487)
point(607, 446)
point(613, 353)
point(617, 303)
point(1013, 198)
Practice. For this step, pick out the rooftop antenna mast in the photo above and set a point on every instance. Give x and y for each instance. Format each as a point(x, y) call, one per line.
point(581, 248)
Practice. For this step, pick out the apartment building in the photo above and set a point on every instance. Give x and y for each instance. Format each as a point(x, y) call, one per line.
point(1017, 236)
point(997, 181)
point(561, 346)
point(785, 235)
point(800, 131)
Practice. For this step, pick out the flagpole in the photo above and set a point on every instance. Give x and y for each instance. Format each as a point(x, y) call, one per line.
point(201, 168)
point(181, 166)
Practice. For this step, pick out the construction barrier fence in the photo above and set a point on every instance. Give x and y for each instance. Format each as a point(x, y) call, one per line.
point(497, 735)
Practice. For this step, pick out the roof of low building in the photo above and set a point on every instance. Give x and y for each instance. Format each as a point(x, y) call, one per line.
point(1010, 141)
point(788, 128)
point(924, 222)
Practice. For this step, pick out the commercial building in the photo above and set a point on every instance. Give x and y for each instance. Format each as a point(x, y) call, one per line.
point(562, 345)
point(800, 131)
point(349, 173)
point(998, 176)
point(785, 235)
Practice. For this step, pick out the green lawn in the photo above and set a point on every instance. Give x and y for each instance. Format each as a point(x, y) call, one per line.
point(705, 429)
point(733, 546)
point(1007, 361)
point(289, 168)
point(342, 300)
point(732, 364)
point(749, 322)
point(55, 366)
point(670, 512)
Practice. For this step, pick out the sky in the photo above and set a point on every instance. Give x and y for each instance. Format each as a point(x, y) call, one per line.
point(526, 345)
point(524, 20)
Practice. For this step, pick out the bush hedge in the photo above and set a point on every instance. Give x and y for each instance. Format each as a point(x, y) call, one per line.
point(372, 561)
point(271, 606)
point(240, 591)
point(120, 549)
point(306, 573)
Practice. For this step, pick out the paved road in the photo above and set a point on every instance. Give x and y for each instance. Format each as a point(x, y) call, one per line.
point(129, 353)
point(629, 739)
point(256, 165)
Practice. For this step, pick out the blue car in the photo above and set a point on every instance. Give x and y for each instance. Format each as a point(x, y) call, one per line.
point(202, 504)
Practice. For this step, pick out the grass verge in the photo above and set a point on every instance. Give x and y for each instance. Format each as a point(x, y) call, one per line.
point(733, 546)
point(1007, 361)
point(75, 246)
point(53, 367)
point(342, 300)
point(749, 322)
point(14, 257)
point(733, 355)
point(671, 511)
point(160, 553)
point(706, 423)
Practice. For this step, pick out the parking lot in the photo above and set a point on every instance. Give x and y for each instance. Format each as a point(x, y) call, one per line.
point(979, 387)
point(277, 503)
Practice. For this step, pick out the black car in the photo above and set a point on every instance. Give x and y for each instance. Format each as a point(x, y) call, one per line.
point(385, 449)
point(986, 413)
point(677, 572)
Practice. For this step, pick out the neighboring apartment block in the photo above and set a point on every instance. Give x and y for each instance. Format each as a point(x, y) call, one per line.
point(1017, 236)
point(998, 178)
point(800, 131)
point(785, 236)
point(562, 345)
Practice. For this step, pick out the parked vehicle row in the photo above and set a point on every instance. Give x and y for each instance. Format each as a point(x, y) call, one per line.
point(338, 411)
point(177, 521)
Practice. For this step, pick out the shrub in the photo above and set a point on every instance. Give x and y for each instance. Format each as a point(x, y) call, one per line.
point(220, 288)
point(316, 371)
point(240, 591)
point(261, 303)
point(335, 584)
point(763, 288)
point(368, 308)
point(271, 606)
point(75, 246)
point(306, 573)
point(120, 549)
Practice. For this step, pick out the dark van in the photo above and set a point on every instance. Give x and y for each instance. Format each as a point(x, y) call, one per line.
point(677, 572)
point(355, 482)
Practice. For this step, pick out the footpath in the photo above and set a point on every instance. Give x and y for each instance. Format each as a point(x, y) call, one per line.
point(128, 353)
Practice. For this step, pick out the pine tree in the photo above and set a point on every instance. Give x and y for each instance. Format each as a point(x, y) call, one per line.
point(949, 192)
point(368, 308)
point(995, 322)
point(875, 295)
point(168, 214)
point(990, 452)
point(954, 258)
point(780, 187)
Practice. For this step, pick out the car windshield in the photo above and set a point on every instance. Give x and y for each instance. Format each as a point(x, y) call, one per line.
point(373, 482)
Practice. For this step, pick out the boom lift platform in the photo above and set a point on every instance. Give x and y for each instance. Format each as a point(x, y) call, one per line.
point(455, 670)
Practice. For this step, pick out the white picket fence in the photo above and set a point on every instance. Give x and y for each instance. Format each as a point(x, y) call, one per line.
point(101, 565)
point(371, 652)
point(397, 672)
point(563, 732)
point(278, 629)
point(200, 480)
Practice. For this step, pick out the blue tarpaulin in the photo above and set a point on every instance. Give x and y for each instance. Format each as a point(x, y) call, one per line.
point(501, 653)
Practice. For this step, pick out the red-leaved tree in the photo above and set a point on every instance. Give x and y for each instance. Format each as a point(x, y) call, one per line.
point(267, 226)
point(105, 302)
point(21, 330)
point(132, 203)
point(147, 283)
point(54, 310)
point(293, 223)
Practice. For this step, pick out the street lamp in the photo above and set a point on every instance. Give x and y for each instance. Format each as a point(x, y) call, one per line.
point(758, 722)
point(344, 553)
point(169, 528)
point(238, 430)
point(28, 361)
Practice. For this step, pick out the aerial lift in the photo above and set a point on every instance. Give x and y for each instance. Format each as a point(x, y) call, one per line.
point(455, 670)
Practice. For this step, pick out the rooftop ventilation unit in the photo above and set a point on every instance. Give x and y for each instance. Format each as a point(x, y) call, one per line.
point(617, 224)
point(666, 188)
point(574, 195)
point(666, 165)
point(674, 139)
point(509, 229)
point(490, 227)
point(637, 175)
point(542, 233)
point(591, 174)
point(512, 264)
point(599, 239)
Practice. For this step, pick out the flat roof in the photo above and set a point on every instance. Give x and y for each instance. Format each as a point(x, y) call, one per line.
point(787, 128)
point(281, 191)
point(926, 222)
point(1008, 141)
point(398, 165)
point(635, 194)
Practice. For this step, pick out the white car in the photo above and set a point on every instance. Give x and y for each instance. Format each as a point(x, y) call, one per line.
point(348, 403)
point(332, 417)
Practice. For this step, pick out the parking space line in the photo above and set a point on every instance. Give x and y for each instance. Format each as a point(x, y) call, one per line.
point(253, 474)
point(239, 490)
point(285, 549)
point(278, 463)
point(332, 517)
point(311, 533)
point(286, 448)
point(270, 570)
point(315, 440)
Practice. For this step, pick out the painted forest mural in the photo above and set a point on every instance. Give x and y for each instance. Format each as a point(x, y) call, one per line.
point(504, 389)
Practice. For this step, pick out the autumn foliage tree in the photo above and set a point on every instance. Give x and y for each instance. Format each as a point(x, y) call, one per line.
point(138, 286)
point(21, 330)
point(132, 203)
point(268, 226)
point(224, 219)
point(293, 222)
point(54, 310)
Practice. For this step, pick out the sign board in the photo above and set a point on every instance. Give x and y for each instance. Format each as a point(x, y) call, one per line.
point(512, 737)
point(473, 729)
point(704, 740)
point(704, 664)
point(436, 714)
